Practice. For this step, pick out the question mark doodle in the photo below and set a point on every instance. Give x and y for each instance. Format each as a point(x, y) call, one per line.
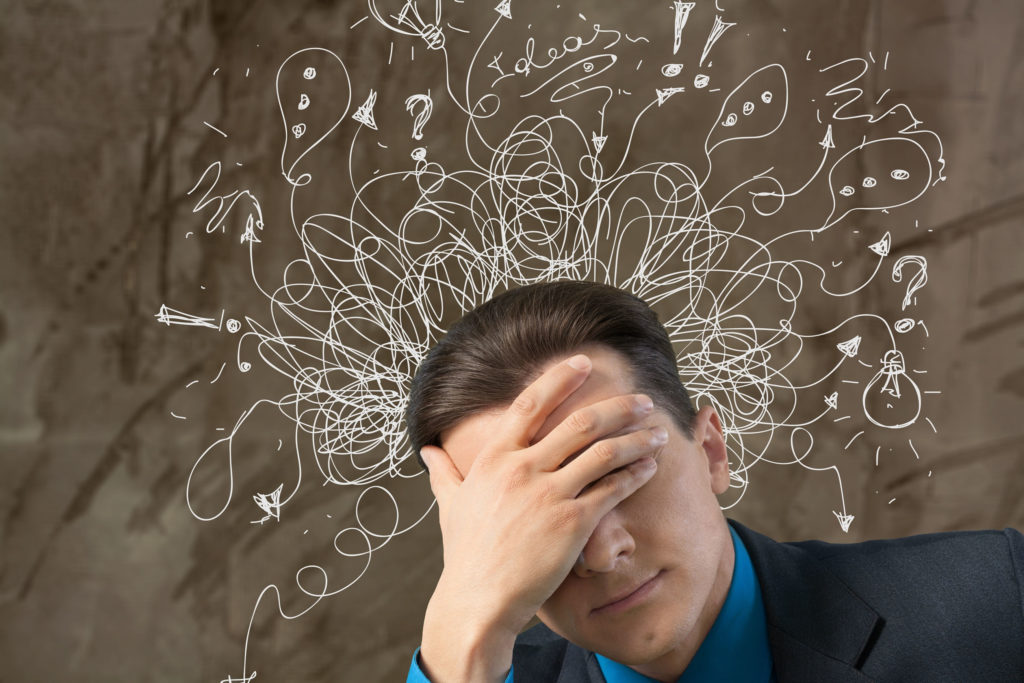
point(426, 106)
point(916, 282)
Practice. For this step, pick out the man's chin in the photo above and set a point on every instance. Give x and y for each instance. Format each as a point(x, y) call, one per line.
point(641, 645)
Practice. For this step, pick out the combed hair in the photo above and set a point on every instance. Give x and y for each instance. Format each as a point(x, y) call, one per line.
point(496, 350)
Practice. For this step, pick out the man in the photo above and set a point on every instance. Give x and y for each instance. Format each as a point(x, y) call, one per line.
point(575, 482)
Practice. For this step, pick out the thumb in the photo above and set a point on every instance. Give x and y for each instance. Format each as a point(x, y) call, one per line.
point(444, 476)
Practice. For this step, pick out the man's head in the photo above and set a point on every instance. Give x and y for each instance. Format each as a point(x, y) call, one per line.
point(496, 350)
point(671, 529)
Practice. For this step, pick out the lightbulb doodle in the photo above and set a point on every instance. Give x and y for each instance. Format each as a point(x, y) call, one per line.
point(555, 194)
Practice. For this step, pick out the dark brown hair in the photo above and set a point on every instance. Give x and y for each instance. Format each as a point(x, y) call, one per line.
point(489, 356)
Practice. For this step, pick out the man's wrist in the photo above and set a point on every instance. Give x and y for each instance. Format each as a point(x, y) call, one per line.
point(462, 646)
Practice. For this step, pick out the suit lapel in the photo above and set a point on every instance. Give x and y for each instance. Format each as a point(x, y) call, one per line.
point(818, 628)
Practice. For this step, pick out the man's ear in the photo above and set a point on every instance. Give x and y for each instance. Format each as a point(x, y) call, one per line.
point(707, 433)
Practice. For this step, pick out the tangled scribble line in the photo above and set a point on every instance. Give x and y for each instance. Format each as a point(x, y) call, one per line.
point(547, 197)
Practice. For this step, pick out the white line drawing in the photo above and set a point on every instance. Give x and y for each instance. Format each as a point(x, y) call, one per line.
point(215, 129)
point(409, 22)
point(425, 106)
point(665, 93)
point(269, 503)
point(719, 28)
point(682, 14)
point(895, 386)
point(554, 194)
point(219, 373)
point(904, 325)
point(169, 316)
point(917, 282)
point(850, 347)
point(364, 114)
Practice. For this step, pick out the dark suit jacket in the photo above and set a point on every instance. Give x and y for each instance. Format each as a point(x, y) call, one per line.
point(937, 607)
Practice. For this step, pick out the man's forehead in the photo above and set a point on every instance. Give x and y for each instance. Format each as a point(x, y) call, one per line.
point(608, 378)
point(610, 375)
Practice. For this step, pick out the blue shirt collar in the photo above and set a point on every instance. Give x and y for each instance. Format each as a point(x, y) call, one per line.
point(735, 649)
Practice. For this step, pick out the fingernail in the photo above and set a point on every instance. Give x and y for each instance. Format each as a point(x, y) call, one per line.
point(580, 362)
point(425, 457)
point(644, 403)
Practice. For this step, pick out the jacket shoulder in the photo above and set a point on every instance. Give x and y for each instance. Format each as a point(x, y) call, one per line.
point(978, 547)
point(928, 563)
point(949, 605)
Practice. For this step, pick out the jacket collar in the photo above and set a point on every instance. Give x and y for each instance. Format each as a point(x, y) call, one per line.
point(818, 628)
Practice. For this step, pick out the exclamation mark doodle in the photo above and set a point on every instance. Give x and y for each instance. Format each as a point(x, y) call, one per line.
point(683, 10)
point(717, 30)
point(719, 27)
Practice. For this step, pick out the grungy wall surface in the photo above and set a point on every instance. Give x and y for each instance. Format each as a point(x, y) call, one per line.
point(105, 575)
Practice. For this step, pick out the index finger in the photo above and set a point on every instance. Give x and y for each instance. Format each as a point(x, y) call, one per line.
point(523, 419)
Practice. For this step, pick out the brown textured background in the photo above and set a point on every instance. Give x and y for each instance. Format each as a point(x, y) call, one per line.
point(104, 575)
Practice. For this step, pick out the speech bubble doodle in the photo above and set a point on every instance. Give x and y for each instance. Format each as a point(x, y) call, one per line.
point(741, 119)
point(905, 174)
point(318, 81)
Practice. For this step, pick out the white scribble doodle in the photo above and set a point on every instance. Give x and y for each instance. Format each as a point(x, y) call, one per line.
point(682, 14)
point(842, 517)
point(425, 107)
point(364, 114)
point(219, 373)
point(664, 93)
point(249, 234)
point(904, 325)
point(882, 246)
point(552, 194)
point(895, 387)
point(270, 503)
point(919, 280)
point(719, 28)
point(409, 22)
point(215, 129)
point(223, 206)
point(169, 316)
point(850, 347)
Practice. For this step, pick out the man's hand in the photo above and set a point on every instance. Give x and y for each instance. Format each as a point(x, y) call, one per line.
point(514, 526)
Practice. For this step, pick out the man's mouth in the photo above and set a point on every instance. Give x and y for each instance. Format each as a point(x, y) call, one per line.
point(629, 597)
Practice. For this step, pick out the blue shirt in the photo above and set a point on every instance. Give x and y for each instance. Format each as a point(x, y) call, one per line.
point(735, 649)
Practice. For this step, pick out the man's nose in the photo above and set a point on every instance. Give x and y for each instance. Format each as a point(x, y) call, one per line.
point(609, 544)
